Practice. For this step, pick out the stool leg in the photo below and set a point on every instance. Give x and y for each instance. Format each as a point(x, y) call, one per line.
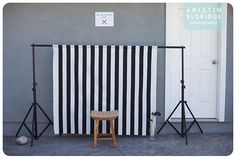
point(95, 133)
point(113, 133)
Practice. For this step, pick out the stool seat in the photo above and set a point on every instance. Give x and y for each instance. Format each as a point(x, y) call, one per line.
point(104, 115)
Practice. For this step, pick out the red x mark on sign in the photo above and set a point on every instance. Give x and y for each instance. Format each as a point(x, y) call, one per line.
point(104, 21)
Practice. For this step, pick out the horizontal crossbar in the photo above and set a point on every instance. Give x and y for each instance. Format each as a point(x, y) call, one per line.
point(162, 47)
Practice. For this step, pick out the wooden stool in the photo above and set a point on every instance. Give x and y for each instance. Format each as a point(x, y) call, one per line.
point(104, 115)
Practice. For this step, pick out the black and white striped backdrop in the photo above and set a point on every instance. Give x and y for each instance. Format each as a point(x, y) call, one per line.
point(102, 77)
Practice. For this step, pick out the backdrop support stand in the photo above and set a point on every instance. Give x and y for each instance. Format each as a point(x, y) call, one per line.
point(34, 130)
point(181, 103)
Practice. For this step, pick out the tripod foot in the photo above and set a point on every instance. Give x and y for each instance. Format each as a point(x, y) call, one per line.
point(184, 129)
point(33, 130)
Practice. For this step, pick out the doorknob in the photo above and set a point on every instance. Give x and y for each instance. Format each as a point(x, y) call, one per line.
point(214, 62)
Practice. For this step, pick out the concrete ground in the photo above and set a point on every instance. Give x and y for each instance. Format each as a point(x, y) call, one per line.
point(213, 144)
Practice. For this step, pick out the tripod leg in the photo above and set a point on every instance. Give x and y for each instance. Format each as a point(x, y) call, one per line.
point(24, 119)
point(168, 119)
point(44, 114)
point(50, 122)
point(44, 130)
point(193, 117)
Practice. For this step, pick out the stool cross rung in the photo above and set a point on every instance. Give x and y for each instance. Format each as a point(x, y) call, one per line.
point(104, 139)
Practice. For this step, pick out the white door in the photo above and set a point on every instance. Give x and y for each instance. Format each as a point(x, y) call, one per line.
point(201, 65)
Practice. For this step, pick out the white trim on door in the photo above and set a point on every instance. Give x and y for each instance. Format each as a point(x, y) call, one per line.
point(222, 71)
point(221, 83)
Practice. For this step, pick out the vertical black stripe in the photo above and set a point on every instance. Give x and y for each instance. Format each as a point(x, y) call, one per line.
point(124, 88)
point(149, 86)
point(116, 84)
point(68, 87)
point(108, 84)
point(140, 96)
point(132, 90)
point(100, 83)
point(76, 88)
point(92, 86)
point(60, 89)
point(84, 88)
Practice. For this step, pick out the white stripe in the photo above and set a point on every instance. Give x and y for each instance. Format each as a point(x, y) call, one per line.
point(136, 93)
point(112, 78)
point(144, 96)
point(128, 103)
point(120, 102)
point(153, 79)
point(72, 88)
point(64, 83)
point(96, 71)
point(88, 84)
point(55, 90)
point(96, 77)
point(80, 72)
point(104, 85)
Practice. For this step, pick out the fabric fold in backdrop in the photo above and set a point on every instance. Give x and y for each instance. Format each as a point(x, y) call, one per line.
point(102, 77)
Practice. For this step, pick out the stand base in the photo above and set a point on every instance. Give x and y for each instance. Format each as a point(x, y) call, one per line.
point(34, 132)
point(184, 131)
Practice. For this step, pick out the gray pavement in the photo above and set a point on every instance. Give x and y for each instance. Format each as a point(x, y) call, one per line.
point(213, 144)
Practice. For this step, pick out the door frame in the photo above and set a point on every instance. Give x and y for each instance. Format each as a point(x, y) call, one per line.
point(221, 71)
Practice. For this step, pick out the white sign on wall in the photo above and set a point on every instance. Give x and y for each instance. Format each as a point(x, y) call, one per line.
point(104, 19)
